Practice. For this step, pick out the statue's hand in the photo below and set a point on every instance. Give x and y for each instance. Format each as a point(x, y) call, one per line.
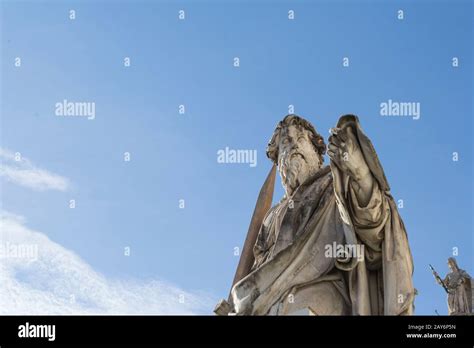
point(345, 151)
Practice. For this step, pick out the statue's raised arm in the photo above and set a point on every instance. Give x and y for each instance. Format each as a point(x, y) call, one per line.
point(335, 243)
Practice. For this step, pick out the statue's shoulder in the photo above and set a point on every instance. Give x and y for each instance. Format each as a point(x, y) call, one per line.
point(321, 183)
point(321, 177)
point(272, 212)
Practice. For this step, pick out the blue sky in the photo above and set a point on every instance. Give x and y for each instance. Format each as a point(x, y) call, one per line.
point(173, 156)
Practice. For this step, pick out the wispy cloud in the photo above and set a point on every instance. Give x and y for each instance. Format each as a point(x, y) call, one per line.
point(23, 172)
point(57, 281)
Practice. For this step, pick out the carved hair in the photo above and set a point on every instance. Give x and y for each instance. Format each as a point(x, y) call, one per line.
point(316, 139)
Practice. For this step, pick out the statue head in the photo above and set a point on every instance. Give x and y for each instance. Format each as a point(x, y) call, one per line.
point(452, 264)
point(297, 149)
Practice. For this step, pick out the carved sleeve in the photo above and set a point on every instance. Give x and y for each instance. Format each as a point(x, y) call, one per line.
point(369, 221)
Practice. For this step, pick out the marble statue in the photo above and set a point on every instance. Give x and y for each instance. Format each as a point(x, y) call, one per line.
point(457, 284)
point(335, 244)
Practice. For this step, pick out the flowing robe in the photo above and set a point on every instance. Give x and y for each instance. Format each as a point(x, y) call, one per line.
point(459, 296)
point(290, 248)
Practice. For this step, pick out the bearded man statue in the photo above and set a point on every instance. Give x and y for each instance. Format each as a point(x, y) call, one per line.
point(335, 244)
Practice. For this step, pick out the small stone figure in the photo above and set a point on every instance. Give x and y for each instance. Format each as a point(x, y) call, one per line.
point(457, 284)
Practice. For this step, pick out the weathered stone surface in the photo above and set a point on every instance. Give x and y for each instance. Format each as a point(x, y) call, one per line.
point(297, 266)
point(458, 285)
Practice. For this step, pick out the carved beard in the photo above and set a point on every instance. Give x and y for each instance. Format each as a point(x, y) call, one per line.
point(293, 170)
